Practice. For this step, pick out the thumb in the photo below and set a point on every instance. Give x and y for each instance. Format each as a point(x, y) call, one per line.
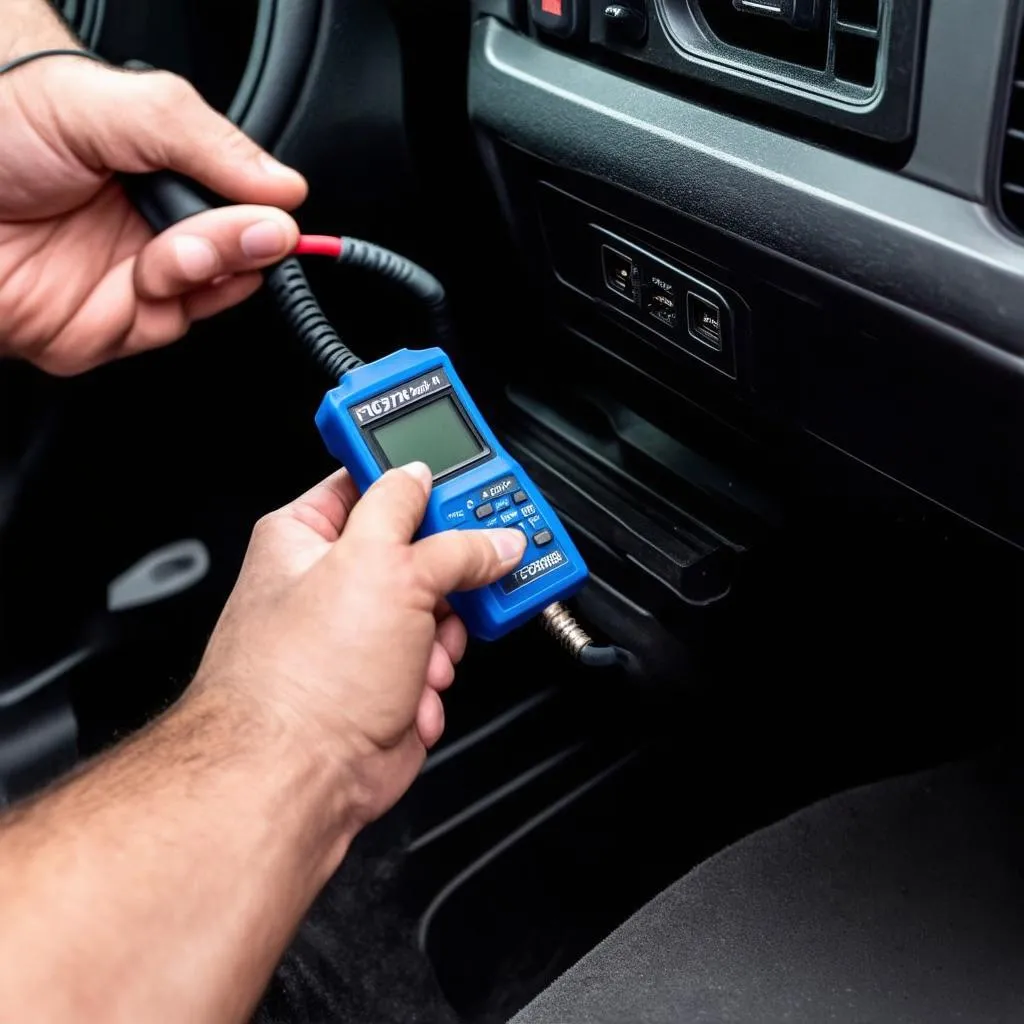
point(149, 121)
point(467, 559)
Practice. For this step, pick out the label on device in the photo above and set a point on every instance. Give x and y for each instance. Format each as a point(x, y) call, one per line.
point(499, 487)
point(533, 570)
point(411, 391)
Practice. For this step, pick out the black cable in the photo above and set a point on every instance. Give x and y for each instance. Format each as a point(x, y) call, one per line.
point(29, 58)
point(416, 280)
point(596, 656)
point(295, 299)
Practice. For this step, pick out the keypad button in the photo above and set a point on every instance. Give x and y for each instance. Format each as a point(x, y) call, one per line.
point(519, 497)
point(542, 538)
point(483, 511)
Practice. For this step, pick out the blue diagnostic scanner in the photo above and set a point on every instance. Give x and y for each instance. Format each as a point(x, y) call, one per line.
point(412, 407)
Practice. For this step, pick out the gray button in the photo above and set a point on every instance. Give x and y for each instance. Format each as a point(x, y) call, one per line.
point(543, 537)
point(483, 511)
point(519, 497)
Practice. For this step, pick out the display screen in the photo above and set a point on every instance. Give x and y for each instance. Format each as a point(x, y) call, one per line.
point(436, 434)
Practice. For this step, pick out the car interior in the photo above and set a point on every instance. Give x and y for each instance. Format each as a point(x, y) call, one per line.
point(740, 285)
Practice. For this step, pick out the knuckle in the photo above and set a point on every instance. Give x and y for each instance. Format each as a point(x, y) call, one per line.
point(407, 571)
point(170, 97)
point(173, 89)
point(266, 526)
point(236, 144)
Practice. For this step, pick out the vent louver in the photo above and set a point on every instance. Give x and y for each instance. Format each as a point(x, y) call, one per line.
point(839, 47)
point(1011, 176)
point(852, 63)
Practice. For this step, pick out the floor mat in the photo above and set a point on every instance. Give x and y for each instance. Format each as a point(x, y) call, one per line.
point(355, 958)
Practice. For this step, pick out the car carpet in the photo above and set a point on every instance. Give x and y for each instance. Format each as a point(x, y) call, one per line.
point(355, 958)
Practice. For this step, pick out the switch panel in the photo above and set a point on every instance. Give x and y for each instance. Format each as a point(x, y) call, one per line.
point(689, 312)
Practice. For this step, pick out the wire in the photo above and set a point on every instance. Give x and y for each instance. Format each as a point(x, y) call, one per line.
point(29, 58)
point(297, 303)
point(422, 285)
point(319, 245)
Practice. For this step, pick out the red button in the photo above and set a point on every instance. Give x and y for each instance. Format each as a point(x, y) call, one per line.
point(558, 17)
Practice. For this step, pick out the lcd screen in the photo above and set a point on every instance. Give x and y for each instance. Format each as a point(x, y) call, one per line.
point(436, 434)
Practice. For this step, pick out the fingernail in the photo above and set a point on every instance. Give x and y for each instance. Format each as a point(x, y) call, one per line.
point(197, 257)
point(509, 544)
point(275, 167)
point(420, 472)
point(263, 240)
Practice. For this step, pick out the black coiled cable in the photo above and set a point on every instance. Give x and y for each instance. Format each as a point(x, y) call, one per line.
point(398, 269)
point(297, 303)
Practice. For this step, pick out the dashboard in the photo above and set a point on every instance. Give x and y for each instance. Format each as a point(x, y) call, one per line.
point(782, 249)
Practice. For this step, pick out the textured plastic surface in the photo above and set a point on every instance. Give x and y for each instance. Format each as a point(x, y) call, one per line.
point(550, 571)
point(969, 49)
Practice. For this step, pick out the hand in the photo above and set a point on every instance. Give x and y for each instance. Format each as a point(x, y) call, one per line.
point(82, 280)
point(338, 631)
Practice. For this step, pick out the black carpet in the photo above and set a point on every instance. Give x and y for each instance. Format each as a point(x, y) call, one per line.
point(355, 958)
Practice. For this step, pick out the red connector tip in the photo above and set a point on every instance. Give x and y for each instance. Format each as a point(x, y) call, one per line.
point(318, 245)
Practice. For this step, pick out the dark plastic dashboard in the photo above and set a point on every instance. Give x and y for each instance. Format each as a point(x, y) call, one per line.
point(886, 296)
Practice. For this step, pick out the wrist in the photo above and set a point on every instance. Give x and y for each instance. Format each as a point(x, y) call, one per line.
point(31, 25)
point(289, 771)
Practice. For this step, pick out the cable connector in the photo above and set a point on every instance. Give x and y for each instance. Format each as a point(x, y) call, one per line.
point(560, 623)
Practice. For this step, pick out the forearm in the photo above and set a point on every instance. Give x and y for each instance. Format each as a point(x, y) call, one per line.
point(165, 882)
point(27, 25)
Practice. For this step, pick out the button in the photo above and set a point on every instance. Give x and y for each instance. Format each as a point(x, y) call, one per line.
point(704, 320)
point(661, 299)
point(556, 16)
point(542, 538)
point(626, 22)
point(519, 497)
point(483, 511)
point(620, 273)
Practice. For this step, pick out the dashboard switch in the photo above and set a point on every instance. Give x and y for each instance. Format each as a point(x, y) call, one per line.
point(620, 273)
point(705, 321)
point(626, 22)
point(559, 17)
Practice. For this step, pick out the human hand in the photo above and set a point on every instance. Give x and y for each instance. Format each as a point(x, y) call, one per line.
point(338, 633)
point(82, 279)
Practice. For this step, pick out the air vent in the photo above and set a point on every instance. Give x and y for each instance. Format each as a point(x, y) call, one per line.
point(854, 63)
point(1011, 178)
point(834, 45)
